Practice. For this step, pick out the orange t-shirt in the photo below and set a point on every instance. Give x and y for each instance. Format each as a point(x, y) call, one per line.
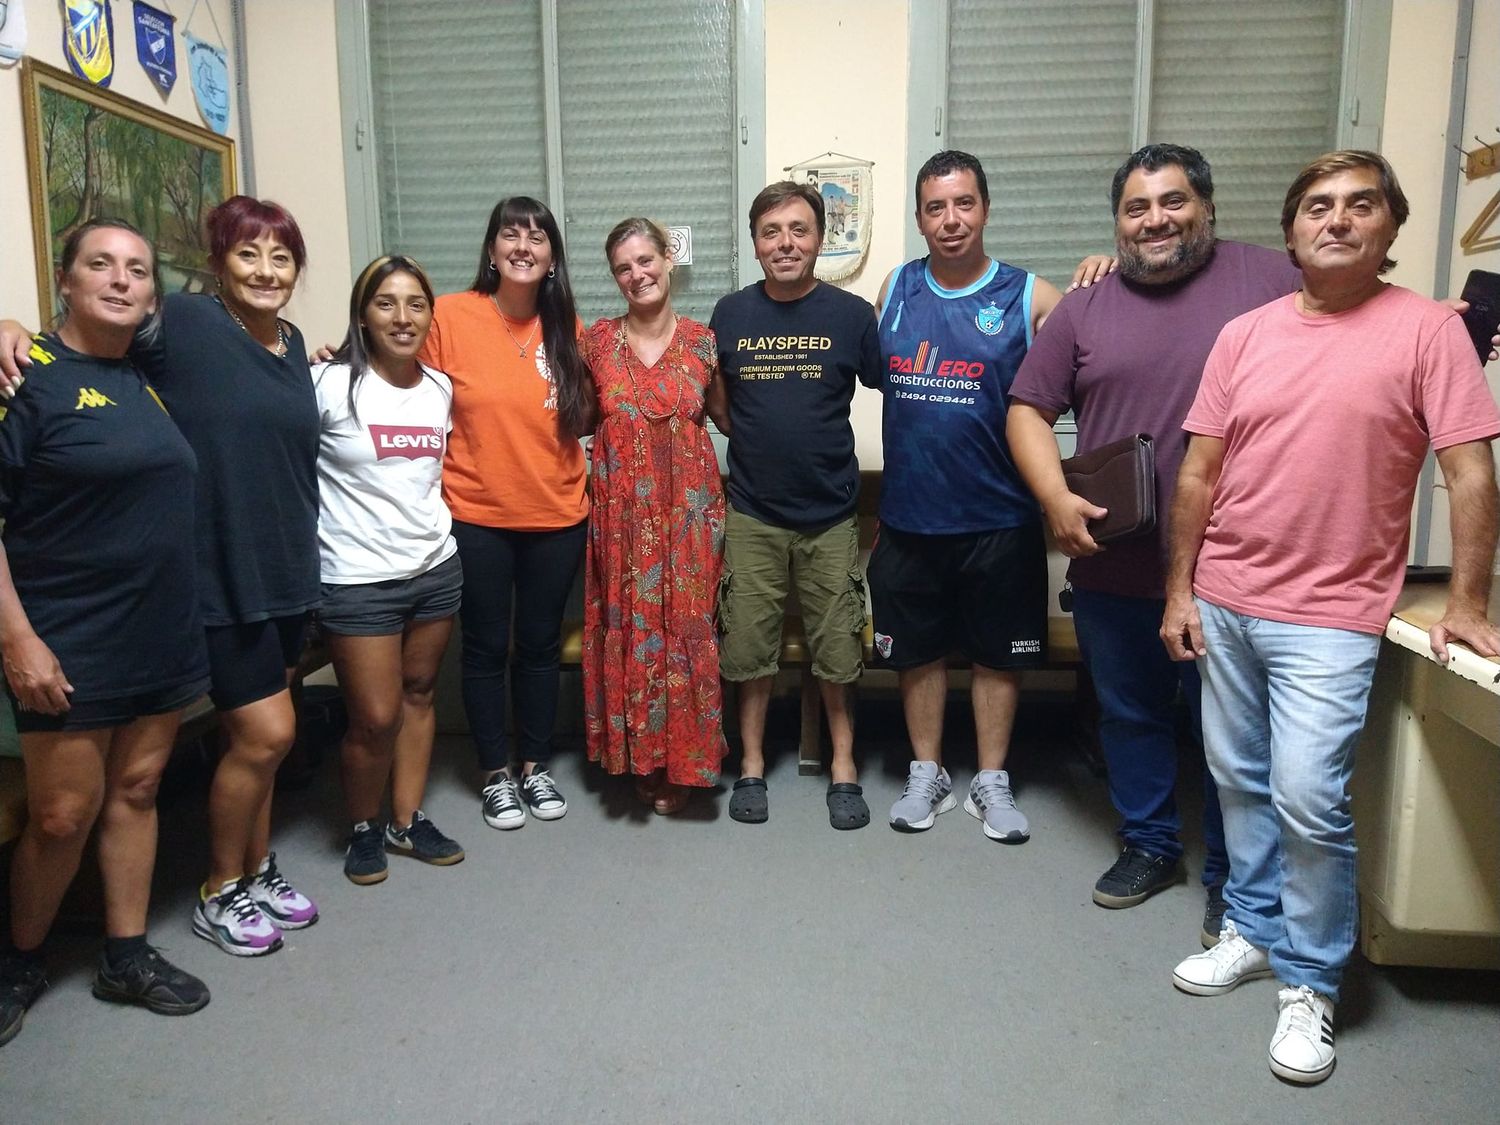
point(506, 464)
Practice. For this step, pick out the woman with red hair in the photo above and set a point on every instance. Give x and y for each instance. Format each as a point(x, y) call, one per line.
point(234, 377)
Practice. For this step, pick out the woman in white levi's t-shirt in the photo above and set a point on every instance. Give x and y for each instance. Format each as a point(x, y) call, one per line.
point(390, 569)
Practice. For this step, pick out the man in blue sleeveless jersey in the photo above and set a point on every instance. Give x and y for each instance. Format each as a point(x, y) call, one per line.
point(960, 561)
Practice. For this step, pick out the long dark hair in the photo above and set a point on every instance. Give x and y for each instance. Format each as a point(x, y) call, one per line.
point(355, 350)
point(148, 328)
point(554, 303)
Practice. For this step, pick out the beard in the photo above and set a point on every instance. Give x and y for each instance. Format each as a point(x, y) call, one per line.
point(1192, 253)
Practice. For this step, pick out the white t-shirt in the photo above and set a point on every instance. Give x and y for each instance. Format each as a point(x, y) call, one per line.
point(380, 504)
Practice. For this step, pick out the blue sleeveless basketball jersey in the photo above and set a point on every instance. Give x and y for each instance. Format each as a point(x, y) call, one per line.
point(949, 357)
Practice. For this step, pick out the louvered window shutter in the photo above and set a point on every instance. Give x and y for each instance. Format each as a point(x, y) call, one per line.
point(458, 124)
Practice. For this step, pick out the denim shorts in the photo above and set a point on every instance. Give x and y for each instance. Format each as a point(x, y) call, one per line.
point(380, 609)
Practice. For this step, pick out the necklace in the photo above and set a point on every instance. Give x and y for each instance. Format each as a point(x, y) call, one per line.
point(640, 399)
point(279, 351)
point(536, 322)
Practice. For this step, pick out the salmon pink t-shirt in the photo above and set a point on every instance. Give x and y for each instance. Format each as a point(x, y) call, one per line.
point(506, 464)
point(1326, 421)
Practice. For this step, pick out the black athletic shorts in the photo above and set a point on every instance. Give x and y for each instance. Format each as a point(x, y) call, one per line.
point(116, 711)
point(983, 594)
point(249, 662)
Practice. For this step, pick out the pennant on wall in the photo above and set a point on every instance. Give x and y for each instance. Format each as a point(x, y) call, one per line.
point(12, 31)
point(209, 70)
point(845, 183)
point(88, 39)
point(155, 46)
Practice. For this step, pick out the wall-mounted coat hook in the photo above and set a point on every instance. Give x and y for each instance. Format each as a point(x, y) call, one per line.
point(1482, 161)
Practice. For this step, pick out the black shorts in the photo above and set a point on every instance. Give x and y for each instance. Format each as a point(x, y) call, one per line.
point(249, 662)
point(983, 594)
point(116, 711)
point(381, 609)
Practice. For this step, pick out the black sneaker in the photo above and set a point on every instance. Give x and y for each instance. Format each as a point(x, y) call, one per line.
point(364, 861)
point(150, 980)
point(1213, 916)
point(1135, 877)
point(22, 980)
point(542, 796)
point(423, 841)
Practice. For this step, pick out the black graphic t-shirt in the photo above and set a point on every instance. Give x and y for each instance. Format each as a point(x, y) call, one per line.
point(96, 488)
point(790, 369)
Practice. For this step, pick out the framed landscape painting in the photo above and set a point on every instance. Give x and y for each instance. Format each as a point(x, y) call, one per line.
point(93, 154)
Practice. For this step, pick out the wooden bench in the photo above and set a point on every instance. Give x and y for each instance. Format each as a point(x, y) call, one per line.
point(1062, 642)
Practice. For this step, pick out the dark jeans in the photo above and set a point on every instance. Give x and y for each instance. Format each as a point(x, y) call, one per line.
point(531, 574)
point(1137, 685)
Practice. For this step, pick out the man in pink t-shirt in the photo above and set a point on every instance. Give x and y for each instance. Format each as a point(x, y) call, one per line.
point(1290, 526)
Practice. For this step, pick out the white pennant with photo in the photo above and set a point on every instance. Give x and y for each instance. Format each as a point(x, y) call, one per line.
point(846, 184)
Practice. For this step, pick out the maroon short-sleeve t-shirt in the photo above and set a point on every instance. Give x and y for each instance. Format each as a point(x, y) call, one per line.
point(1127, 359)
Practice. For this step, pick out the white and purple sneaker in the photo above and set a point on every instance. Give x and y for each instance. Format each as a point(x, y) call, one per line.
point(285, 906)
point(230, 919)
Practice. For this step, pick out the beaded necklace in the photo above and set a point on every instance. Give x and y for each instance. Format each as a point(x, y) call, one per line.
point(279, 351)
point(631, 357)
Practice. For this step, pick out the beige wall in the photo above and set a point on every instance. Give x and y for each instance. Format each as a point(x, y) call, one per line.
point(294, 113)
point(298, 146)
point(18, 295)
point(867, 119)
point(1417, 143)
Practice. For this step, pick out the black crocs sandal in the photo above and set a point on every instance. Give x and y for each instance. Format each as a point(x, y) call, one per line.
point(748, 803)
point(846, 806)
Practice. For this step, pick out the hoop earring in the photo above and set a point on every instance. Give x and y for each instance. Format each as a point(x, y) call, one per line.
point(494, 268)
point(551, 271)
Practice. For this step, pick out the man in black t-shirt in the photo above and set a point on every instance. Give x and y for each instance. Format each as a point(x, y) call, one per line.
point(790, 349)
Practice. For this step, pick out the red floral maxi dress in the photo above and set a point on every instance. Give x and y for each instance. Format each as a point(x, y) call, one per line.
point(656, 532)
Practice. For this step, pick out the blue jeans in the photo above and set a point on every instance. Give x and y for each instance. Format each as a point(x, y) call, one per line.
point(1137, 686)
point(1283, 706)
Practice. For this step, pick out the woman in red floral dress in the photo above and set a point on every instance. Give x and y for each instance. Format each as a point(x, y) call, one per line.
point(652, 703)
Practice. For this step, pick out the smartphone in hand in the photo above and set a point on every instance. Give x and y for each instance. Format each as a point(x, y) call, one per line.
point(1482, 291)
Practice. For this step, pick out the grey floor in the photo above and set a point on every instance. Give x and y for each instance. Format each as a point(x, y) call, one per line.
point(617, 966)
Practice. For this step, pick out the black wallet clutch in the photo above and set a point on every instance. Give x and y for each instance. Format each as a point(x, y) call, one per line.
point(1120, 476)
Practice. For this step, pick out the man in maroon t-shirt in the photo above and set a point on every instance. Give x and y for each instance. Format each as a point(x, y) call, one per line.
point(1125, 354)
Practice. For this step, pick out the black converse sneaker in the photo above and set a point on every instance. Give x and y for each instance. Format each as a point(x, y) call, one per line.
point(542, 795)
point(502, 802)
point(423, 841)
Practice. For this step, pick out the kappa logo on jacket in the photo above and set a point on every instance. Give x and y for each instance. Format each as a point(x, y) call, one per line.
point(411, 442)
point(89, 397)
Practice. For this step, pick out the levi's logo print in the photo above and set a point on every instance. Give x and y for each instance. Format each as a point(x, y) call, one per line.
point(782, 357)
point(411, 442)
point(928, 376)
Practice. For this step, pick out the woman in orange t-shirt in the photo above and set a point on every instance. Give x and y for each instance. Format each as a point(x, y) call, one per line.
point(514, 479)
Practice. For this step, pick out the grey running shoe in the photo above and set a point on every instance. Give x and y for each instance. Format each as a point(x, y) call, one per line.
point(928, 791)
point(990, 801)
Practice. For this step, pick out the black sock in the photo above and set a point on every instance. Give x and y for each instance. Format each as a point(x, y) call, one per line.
point(30, 956)
point(118, 950)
